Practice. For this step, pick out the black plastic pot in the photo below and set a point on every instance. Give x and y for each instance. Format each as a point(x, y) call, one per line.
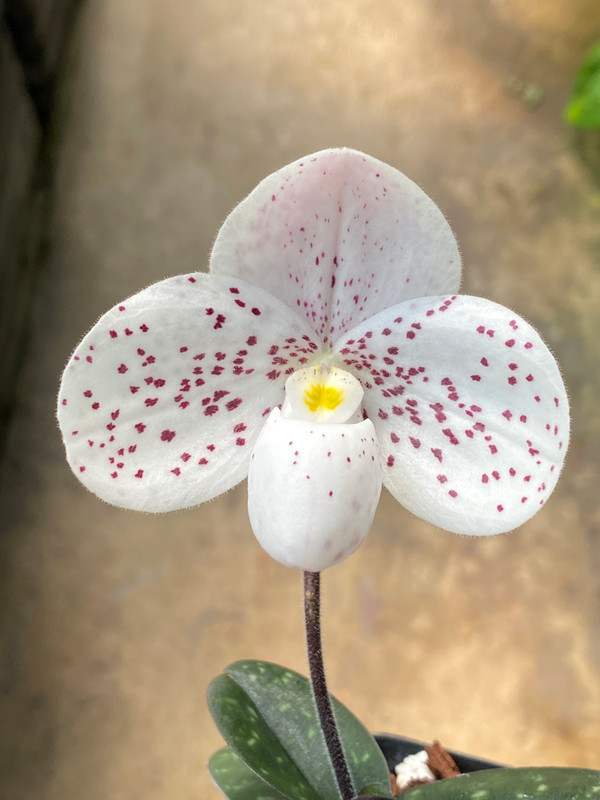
point(396, 748)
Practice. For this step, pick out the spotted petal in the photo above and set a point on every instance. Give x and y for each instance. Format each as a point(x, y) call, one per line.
point(339, 236)
point(469, 407)
point(162, 401)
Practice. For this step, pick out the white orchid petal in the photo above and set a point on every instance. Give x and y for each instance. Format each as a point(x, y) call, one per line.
point(313, 490)
point(469, 408)
point(161, 403)
point(339, 236)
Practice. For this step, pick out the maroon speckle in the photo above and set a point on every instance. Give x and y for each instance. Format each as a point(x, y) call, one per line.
point(473, 378)
point(167, 435)
point(113, 334)
point(416, 443)
point(191, 279)
point(500, 508)
point(122, 369)
point(390, 461)
point(442, 478)
point(176, 471)
point(81, 469)
point(140, 427)
point(395, 438)
point(203, 462)
point(139, 474)
point(507, 414)
point(114, 414)
point(95, 406)
point(410, 334)
point(256, 312)
point(240, 442)
point(484, 362)
point(510, 342)
point(114, 474)
point(447, 432)
point(453, 493)
point(144, 328)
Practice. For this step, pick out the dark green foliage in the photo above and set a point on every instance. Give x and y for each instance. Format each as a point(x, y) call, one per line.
point(524, 783)
point(276, 750)
point(266, 715)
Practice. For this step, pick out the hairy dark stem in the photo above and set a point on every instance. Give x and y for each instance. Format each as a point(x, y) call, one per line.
point(312, 620)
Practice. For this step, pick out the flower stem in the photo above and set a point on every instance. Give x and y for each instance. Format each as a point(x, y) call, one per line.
point(312, 620)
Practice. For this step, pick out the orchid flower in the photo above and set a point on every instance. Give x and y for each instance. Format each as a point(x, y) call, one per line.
point(327, 351)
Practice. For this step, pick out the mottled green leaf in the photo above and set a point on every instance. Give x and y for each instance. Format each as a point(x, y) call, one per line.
point(250, 738)
point(266, 715)
point(237, 781)
point(285, 700)
point(583, 108)
point(523, 783)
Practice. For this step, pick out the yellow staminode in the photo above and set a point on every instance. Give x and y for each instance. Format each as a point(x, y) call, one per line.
point(321, 397)
point(322, 394)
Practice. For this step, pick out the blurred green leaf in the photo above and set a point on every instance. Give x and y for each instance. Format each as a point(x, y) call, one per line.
point(544, 783)
point(583, 108)
point(266, 715)
point(237, 781)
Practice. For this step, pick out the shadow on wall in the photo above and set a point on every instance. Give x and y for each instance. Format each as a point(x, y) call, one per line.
point(32, 39)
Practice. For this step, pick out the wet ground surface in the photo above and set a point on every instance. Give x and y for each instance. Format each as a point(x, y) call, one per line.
point(113, 622)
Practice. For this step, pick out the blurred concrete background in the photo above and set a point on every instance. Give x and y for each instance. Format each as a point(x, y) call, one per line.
point(113, 622)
